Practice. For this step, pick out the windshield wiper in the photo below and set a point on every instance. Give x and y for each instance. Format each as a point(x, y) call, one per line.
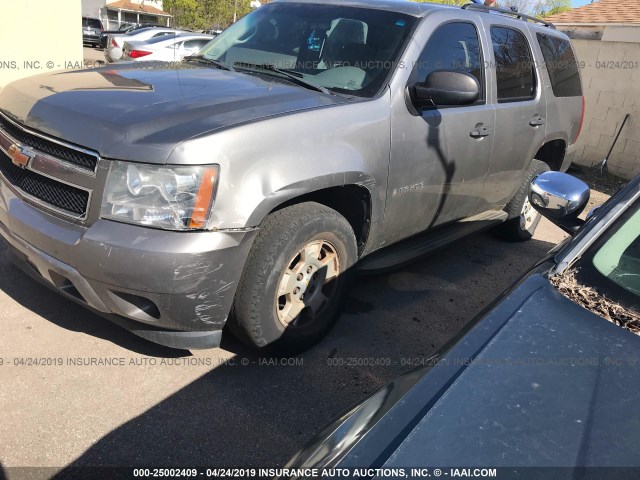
point(209, 61)
point(294, 77)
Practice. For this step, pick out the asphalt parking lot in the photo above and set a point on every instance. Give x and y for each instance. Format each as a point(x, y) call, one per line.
point(155, 405)
point(76, 390)
point(93, 57)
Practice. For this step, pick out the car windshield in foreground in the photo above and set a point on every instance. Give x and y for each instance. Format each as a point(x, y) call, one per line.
point(345, 49)
point(619, 258)
point(612, 266)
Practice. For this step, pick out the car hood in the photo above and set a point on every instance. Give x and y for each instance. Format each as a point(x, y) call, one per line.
point(538, 381)
point(135, 113)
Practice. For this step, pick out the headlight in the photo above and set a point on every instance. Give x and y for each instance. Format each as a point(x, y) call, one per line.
point(173, 198)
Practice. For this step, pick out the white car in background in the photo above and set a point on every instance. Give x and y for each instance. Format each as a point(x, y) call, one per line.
point(168, 48)
point(115, 42)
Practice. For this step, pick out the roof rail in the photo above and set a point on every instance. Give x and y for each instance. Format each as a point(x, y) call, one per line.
point(518, 15)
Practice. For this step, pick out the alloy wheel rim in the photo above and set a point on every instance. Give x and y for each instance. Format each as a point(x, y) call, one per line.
point(528, 215)
point(307, 284)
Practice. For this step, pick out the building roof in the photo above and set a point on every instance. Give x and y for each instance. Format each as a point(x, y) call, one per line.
point(128, 5)
point(603, 11)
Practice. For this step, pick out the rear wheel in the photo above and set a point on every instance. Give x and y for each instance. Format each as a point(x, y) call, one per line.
point(295, 279)
point(523, 218)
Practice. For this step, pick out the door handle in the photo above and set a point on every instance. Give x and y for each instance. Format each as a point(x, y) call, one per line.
point(536, 121)
point(480, 132)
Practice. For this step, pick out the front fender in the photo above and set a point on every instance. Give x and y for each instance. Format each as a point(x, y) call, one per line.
point(304, 187)
point(266, 163)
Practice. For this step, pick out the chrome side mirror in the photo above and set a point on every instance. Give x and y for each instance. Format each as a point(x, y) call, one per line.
point(446, 87)
point(560, 198)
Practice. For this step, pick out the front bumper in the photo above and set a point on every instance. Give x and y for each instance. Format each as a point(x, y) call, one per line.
point(174, 288)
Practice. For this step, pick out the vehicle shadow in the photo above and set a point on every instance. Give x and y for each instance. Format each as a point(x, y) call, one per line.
point(67, 314)
point(257, 412)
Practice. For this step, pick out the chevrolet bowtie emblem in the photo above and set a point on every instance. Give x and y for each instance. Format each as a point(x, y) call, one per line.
point(19, 155)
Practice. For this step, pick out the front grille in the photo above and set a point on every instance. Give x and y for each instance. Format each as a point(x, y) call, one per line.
point(81, 159)
point(52, 192)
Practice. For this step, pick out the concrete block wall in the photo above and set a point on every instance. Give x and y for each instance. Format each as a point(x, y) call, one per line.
point(22, 53)
point(611, 85)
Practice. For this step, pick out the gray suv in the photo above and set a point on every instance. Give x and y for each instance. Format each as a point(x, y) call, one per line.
point(91, 31)
point(310, 139)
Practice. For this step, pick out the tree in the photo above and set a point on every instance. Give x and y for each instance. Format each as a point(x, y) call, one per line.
point(205, 14)
point(551, 7)
point(183, 11)
point(540, 8)
point(522, 6)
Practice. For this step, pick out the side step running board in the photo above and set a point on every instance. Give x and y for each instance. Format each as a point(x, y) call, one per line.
point(418, 246)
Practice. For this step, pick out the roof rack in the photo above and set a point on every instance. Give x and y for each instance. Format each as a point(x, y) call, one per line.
point(518, 15)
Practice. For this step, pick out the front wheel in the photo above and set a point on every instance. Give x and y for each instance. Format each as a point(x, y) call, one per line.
point(523, 218)
point(295, 279)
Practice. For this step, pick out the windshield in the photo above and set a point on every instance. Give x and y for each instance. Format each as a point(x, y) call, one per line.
point(612, 266)
point(345, 49)
point(619, 258)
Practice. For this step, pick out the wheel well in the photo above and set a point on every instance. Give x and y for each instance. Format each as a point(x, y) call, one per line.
point(552, 153)
point(353, 202)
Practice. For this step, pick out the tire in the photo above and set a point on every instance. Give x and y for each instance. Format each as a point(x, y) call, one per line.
point(523, 219)
point(308, 247)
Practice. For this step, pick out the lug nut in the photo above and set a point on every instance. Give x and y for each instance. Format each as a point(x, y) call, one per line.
point(309, 269)
point(299, 277)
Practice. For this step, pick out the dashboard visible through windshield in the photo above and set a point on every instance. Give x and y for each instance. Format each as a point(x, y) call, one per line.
point(344, 49)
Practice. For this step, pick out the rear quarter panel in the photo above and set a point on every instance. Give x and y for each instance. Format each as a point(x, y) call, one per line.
point(563, 113)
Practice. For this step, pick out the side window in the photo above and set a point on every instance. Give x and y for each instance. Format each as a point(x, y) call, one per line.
point(561, 65)
point(195, 44)
point(452, 46)
point(515, 70)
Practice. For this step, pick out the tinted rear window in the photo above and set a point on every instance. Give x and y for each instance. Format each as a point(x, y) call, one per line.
point(514, 67)
point(561, 65)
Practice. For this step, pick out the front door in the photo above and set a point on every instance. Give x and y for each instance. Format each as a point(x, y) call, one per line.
point(440, 155)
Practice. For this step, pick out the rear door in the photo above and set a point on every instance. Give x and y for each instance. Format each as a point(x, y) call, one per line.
point(520, 109)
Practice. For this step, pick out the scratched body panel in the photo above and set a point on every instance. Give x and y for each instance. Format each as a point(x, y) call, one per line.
point(274, 142)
